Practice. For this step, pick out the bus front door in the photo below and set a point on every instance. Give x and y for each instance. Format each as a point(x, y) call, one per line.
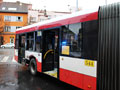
point(50, 58)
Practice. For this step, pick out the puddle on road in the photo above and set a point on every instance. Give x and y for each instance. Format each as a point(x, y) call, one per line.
point(17, 77)
point(10, 84)
point(9, 76)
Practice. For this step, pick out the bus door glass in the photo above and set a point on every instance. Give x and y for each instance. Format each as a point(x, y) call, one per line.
point(21, 49)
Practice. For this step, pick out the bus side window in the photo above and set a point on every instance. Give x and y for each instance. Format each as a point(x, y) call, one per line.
point(30, 41)
point(80, 40)
point(72, 39)
point(90, 38)
point(38, 35)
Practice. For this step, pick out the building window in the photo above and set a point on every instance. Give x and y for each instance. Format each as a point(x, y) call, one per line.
point(49, 16)
point(19, 18)
point(3, 8)
point(33, 19)
point(18, 27)
point(13, 18)
point(11, 28)
point(7, 18)
point(12, 9)
point(42, 20)
point(11, 39)
point(7, 28)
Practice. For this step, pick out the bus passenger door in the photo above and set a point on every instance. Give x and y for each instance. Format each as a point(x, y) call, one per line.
point(48, 51)
point(50, 54)
point(21, 49)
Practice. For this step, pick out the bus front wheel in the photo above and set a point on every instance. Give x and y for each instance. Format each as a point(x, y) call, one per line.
point(33, 66)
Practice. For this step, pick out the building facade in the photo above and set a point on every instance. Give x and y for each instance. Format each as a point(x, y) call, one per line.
point(13, 15)
point(35, 16)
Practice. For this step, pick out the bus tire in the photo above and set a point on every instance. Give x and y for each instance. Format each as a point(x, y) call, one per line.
point(33, 67)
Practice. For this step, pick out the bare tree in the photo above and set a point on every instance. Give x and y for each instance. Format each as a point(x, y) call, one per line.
point(1, 29)
point(1, 24)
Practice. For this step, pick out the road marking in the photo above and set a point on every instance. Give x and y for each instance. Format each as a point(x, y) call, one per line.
point(5, 59)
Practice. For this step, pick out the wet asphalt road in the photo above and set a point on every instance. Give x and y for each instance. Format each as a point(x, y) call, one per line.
point(14, 76)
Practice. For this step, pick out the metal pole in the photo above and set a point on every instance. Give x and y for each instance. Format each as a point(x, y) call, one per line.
point(76, 5)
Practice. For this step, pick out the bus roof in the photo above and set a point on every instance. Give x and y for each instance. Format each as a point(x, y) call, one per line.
point(81, 16)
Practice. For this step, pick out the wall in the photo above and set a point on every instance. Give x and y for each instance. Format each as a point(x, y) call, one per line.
point(7, 35)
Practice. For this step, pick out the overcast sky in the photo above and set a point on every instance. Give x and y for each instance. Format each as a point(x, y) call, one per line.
point(62, 5)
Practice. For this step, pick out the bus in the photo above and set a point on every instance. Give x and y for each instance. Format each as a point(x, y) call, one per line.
point(81, 49)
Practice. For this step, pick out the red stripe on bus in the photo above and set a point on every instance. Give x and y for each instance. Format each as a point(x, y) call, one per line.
point(16, 58)
point(79, 80)
point(39, 65)
point(77, 19)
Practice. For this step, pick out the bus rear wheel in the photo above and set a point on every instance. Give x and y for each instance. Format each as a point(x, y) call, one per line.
point(33, 67)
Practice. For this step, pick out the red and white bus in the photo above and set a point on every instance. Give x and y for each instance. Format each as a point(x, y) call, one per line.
point(74, 48)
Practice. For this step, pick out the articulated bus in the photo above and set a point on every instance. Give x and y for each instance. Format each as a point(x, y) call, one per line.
point(81, 49)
